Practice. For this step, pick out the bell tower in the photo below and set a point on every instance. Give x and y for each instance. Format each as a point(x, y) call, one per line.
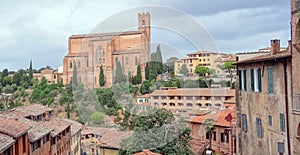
point(144, 26)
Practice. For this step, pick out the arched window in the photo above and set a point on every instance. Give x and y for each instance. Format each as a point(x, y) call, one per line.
point(199, 104)
point(71, 64)
point(143, 24)
point(180, 104)
point(164, 104)
point(172, 104)
point(117, 59)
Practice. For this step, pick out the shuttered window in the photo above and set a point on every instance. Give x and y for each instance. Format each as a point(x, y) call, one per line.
point(259, 79)
point(270, 121)
point(252, 79)
point(258, 128)
point(245, 79)
point(244, 122)
point(270, 80)
point(240, 79)
point(282, 122)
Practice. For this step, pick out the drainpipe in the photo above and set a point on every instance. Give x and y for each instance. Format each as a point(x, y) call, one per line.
point(287, 107)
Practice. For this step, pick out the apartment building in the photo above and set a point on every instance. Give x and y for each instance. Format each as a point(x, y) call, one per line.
point(181, 100)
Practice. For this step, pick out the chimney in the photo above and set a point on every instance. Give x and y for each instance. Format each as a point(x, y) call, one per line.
point(46, 115)
point(275, 46)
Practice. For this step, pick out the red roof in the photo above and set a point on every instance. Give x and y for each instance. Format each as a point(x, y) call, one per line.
point(12, 127)
point(218, 116)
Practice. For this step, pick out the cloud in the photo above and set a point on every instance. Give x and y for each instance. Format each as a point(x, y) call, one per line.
point(39, 30)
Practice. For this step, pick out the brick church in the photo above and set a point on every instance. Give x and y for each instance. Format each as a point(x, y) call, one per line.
point(91, 51)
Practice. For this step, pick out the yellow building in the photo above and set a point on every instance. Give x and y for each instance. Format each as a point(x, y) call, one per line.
point(211, 60)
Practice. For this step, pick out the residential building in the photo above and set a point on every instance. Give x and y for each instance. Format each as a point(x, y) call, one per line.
point(142, 103)
point(222, 136)
point(102, 141)
point(88, 52)
point(187, 100)
point(75, 137)
point(52, 76)
point(212, 60)
point(263, 102)
point(7, 145)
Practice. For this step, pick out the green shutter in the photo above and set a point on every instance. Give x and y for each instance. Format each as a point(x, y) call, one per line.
point(270, 80)
point(259, 79)
point(240, 79)
point(282, 122)
point(252, 79)
point(245, 79)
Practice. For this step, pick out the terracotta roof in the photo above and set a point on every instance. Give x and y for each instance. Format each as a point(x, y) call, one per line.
point(204, 52)
point(30, 110)
point(107, 35)
point(144, 96)
point(57, 124)
point(110, 137)
point(194, 92)
point(146, 152)
point(218, 116)
point(5, 142)
point(12, 127)
point(270, 56)
point(75, 126)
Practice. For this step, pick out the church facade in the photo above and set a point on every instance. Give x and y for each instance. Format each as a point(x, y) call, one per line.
point(88, 52)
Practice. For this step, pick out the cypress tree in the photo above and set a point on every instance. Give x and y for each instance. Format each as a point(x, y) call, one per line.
point(74, 77)
point(119, 73)
point(159, 61)
point(101, 77)
point(139, 75)
point(30, 72)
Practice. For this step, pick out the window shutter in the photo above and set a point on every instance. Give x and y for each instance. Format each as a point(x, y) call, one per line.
point(252, 79)
point(244, 122)
point(258, 128)
point(240, 79)
point(245, 79)
point(259, 79)
point(270, 80)
point(282, 122)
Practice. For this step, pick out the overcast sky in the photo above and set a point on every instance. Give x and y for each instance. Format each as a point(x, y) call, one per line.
point(39, 30)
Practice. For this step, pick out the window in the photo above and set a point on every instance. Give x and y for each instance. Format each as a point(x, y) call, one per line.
point(143, 24)
point(136, 61)
point(282, 122)
point(270, 80)
point(270, 120)
point(242, 80)
point(24, 143)
point(255, 79)
point(79, 64)
point(207, 135)
point(116, 59)
point(87, 63)
point(71, 65)
point(214, 136)
point(45, 139)
point(126, 60)
point(244, 122)
point(225, 137)
point(258, 128)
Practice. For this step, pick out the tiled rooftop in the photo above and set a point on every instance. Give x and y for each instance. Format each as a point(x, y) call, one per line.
point(5, 142)
point(107, 35)
point(194, 92)
point(110, 137)
point(75, 126)
point(146, 152)
point(218, 116)
point(12, 127)
point(30, 110)
point(57, 124)
point(269, 56)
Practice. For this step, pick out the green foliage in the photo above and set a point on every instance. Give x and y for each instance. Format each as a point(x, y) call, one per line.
point(102, 77)
point(7, 80)
point(183, 70)
point(30, 72)
point(4, 73)
point(74, 77)
point(202, 70)
point(138, 77)
point(107, 101)
point(229, 67)
point(9, 89)
point(120, 77)
point(158, 132)
point(145, 87)
point(97, 118)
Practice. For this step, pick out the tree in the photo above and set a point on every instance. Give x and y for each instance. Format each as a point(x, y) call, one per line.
point(170, 63)
point(97, 118)
point(139, 75)
point(4, 73)
point(17, 77)
point(159, 132)
point(145, 87)
point(30, 72)
point(184, 70)
point(74, 77)
point(204, 73)
point(102, 77)
point(209, 127)
point(120, 77)
point(229, 67)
